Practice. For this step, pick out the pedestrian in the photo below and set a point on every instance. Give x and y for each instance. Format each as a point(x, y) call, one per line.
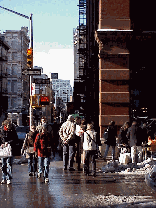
point(78, 133)
point(9, 137)
point(89, 147)
point(43, 148)
point(135, 142)
point(111, 140)
point(28, 148)
point(67, 136)
point(123, 140)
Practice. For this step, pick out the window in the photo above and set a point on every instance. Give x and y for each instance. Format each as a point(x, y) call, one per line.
point(14, 86)
point(9, 56)
point(9, 86)
point(14, 56)
point(14, 69)
point(13, 102)
point(9, 69)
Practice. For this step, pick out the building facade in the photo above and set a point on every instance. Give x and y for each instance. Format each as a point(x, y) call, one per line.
point(18, 84)
point(127, 37)
point(4, 47)
point(62, 89)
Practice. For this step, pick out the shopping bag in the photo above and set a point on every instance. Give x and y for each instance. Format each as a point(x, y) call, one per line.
point(5, 150)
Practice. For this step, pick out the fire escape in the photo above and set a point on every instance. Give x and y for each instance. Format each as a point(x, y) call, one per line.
point(81, 51)
point(82, 39)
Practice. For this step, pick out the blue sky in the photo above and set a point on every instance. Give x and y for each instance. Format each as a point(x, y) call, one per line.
point(53, 23)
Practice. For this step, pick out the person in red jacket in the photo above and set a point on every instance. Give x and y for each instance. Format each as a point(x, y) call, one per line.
point(43, 147)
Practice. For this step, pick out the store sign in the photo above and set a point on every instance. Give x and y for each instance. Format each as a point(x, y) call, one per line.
point(44, 100)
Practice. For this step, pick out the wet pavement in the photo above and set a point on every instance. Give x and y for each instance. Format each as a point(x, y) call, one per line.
point(74, 189)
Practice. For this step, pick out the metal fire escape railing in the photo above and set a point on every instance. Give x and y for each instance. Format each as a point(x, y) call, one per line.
point(82, 38)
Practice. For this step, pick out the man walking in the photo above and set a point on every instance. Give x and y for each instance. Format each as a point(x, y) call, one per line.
point(66, 133)
point(135, 143)
point(43, 147)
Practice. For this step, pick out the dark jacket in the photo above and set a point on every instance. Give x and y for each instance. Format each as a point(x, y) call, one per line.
point(112, 132)
point(134, 135)
point(11, 137)
point(122, 136)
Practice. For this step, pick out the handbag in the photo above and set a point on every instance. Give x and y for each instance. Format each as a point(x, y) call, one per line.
point(5, 150)
point(105, 135)
point(30, 150)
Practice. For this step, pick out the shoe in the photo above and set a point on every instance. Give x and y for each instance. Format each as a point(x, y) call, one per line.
point(34, 174)
point(3, 181)
point(46, 180)
point(39, 175)
point(8, 182)
point(30, 174)
point(80, 169)
point(71, 169)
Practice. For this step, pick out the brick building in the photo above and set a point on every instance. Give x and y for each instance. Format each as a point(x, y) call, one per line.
point(126, 38)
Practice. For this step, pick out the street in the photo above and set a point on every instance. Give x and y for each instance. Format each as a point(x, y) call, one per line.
point(74, 189)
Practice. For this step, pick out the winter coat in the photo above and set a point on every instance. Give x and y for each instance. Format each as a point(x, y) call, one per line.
point(67, 132)
point(29, 141)
point(122, 136)
point(112, 133)
point(89, 140)
point(10, 136)
point(43, 145)
point(134, 135)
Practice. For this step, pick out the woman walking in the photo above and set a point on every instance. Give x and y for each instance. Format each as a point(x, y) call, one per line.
point(28, 148)
point(89, 146)
point(9, 138)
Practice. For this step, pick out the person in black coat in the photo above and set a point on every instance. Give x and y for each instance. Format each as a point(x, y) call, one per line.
point(122, 134)
point(111, 141)
point(8, 136)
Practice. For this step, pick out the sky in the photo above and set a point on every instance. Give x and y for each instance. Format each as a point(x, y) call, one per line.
point(53, 23)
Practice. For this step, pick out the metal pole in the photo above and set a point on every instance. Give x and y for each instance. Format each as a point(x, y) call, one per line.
point(31, 45)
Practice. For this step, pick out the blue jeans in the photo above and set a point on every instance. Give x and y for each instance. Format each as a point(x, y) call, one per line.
point(43, 163)
point(32, 163)
point(7, 168)
point(113, 151)
point(68, 151)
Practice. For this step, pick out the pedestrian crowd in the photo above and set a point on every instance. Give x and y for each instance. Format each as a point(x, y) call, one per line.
point(79, 143)
point(130, 137)
point(76, 136)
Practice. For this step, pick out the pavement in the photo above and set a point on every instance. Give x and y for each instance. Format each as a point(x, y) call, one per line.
point(74, 189)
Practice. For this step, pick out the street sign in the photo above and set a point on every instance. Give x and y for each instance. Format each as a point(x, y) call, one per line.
point(31, 72)
point(41, 81)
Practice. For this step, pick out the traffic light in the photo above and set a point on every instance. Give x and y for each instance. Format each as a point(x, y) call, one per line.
point(30, 58)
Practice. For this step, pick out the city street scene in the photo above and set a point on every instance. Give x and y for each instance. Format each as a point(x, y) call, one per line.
point(77, 104)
